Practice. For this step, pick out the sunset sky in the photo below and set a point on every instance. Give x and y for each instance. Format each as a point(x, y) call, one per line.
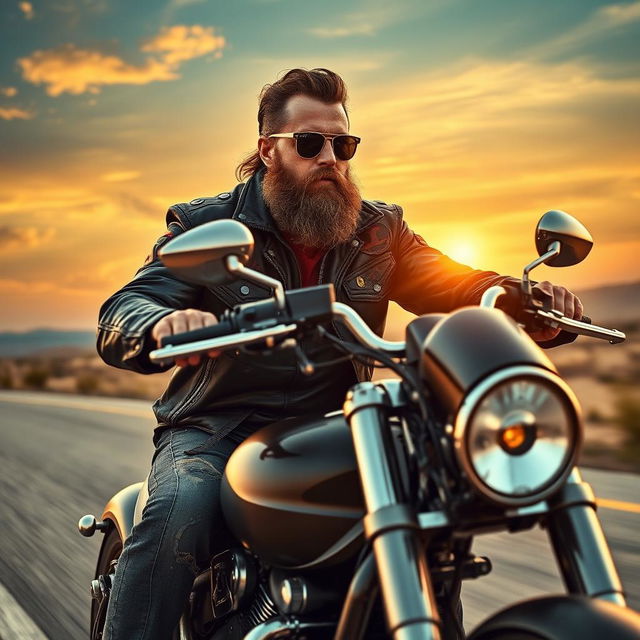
point(476, 116)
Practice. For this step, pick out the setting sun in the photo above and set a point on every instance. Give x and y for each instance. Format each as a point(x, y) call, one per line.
point(463, 251)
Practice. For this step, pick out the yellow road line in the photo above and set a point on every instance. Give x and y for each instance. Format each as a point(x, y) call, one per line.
point(87, 406)
point(618, 505)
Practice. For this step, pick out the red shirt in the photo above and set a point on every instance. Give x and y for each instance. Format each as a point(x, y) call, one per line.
point(309, 259)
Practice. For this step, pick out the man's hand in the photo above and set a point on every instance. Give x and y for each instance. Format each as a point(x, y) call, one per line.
point(179, 322)
point(564, 301)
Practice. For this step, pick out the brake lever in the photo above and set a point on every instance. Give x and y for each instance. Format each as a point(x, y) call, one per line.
point(556, 319)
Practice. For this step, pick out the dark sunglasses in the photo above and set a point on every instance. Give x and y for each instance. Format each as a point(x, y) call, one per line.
point(309, 144)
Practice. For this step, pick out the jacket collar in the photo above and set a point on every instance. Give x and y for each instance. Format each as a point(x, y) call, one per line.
point(252, 210)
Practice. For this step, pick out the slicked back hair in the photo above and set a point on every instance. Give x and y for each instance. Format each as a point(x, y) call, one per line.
point(321, 84)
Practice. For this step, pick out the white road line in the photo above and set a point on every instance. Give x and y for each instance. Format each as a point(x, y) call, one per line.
point(15, 624)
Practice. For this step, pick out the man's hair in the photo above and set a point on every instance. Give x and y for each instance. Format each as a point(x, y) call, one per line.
point(321, 84)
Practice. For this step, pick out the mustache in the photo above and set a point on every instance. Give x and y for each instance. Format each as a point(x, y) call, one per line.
point(325, 173)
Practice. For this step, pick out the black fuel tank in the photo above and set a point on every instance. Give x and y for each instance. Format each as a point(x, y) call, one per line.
point(291, 493)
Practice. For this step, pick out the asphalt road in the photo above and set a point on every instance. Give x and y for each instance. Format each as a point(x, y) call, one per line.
point(63, 456)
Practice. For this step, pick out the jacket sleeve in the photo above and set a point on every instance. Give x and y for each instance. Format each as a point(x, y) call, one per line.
point(127, 317)
point(427, 281)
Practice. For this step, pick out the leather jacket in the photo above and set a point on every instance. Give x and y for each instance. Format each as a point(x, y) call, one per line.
point(384, 260)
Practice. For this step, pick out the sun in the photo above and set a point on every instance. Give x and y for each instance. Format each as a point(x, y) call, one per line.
point(462, 251)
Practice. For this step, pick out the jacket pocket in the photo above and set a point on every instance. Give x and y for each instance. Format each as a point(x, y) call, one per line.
point(240, 291)
point(369, 279)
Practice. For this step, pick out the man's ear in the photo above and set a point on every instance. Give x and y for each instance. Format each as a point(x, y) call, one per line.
point(266, 149)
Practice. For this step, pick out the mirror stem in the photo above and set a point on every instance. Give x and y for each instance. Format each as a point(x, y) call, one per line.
point(552, 251)
point(236, 267)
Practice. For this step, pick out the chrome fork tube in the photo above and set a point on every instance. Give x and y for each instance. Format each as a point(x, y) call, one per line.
point(579, 543)
point(391, 526)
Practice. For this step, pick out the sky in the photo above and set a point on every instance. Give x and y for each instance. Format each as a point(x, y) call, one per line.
point(475, 116)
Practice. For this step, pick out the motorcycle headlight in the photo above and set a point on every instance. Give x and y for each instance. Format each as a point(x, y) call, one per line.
point(517, 435)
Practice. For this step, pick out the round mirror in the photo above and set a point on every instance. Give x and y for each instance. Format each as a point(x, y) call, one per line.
point(575, 241)
point(199, 255)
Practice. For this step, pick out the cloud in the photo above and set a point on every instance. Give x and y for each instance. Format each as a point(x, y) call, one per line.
point(133, 205)
point(181, 42)
point(23, 237)
point(600, 23)
point(69, 69)
point(120, 176)
point(363, 29)
point(27, 9)
point(14, 113)
point(375, 15)
point(9, 92)
point(178, 4)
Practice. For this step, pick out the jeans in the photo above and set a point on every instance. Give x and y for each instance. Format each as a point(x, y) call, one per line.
point(172, 542)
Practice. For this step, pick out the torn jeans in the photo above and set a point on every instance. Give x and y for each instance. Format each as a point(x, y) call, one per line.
point(172, 542)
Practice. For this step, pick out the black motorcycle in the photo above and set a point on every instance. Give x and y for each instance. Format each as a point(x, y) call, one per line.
point(360, 524)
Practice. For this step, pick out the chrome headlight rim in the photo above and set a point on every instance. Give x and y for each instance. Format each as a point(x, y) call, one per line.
point(473, 400)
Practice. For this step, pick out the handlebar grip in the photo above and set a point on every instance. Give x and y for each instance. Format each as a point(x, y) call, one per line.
point(223, 328)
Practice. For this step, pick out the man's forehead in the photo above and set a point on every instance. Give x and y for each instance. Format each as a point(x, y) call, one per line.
point(308, 114)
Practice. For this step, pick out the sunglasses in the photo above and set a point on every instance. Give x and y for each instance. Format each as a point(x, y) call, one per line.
point(309, 144)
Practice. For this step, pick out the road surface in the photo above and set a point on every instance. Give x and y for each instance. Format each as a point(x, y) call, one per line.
point(63, 456)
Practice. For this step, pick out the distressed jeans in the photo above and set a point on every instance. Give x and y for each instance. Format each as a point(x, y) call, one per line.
point(171, 543)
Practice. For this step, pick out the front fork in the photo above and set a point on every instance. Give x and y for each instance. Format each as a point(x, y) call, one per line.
point(579, 544)
point(390, 525)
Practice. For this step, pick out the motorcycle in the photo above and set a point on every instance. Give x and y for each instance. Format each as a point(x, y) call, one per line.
point(360, 523)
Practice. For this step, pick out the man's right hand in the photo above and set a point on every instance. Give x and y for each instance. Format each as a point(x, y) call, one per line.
point(179, 322)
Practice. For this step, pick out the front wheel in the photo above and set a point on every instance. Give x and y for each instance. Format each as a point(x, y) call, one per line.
point(109, 552)
point(561, 618)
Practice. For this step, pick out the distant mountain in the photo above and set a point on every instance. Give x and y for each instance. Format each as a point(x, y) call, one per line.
point(14, 344)
point(615, 302)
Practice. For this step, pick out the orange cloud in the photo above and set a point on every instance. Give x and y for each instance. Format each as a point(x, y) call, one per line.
point(72, 70)
point(13, 113)
point(27, 9)
point(69, 69)
point(120, 176)
point(23, 237)
point(181, 42)
point(9, 92)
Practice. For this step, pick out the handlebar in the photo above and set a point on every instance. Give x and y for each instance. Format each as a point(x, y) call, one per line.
point(222, 328)
point(528, 315)
point(237, 339)
point(260, 322)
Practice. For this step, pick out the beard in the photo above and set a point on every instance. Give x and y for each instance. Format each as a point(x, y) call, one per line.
point(315, 214)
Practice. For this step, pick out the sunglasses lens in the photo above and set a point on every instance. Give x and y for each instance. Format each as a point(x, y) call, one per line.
point(309, 145)
point(345, 147)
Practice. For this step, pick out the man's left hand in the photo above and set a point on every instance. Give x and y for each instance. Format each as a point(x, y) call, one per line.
point(564, 301)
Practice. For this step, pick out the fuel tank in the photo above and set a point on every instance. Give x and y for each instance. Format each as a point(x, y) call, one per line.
point(291, 493)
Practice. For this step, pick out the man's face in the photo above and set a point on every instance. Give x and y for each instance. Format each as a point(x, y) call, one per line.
point(308, 114)
point(312, 199)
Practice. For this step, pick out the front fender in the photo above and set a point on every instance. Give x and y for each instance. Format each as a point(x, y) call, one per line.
point(121, 508)
point(562, 618)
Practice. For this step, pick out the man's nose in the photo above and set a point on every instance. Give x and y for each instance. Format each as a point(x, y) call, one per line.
point(327, 157)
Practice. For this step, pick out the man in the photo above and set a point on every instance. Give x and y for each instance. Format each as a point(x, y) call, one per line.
point(310, 226)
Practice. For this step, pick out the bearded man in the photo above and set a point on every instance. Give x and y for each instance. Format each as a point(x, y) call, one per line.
point(310, 226)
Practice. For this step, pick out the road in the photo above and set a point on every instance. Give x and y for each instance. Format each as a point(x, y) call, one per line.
point(63, 456)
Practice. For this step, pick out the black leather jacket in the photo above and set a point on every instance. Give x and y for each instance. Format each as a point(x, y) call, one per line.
point(383, 261)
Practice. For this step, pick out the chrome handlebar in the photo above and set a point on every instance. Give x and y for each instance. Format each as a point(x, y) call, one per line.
point(556, 319)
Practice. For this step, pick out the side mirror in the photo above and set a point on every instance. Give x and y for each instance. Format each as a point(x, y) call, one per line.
point(574, 239)
point(200, 254)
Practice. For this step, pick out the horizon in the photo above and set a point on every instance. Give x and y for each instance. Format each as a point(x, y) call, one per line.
point(475, 117)
point(399, 312)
